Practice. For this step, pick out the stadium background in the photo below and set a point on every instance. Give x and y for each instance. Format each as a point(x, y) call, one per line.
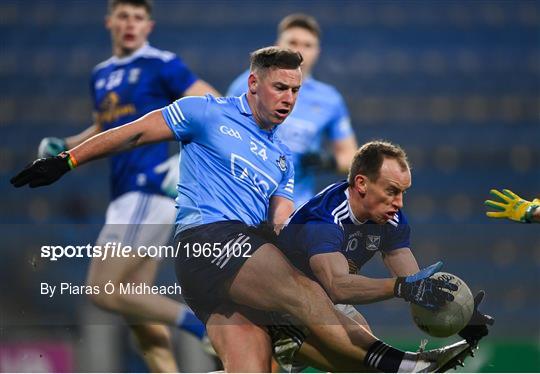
point(457, 84)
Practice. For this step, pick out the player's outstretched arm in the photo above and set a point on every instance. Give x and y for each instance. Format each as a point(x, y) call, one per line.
point(400, 262)
point(148, 129)
point(511, 206)
point(344, 151)
point(52, 146)
point(332, 270)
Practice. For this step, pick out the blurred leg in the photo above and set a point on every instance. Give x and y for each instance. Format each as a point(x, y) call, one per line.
point(154, 343)
point(137, 307)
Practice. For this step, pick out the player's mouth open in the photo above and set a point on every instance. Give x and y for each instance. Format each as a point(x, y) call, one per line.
point(129, 37)
point(282, 113)
point(390, 215)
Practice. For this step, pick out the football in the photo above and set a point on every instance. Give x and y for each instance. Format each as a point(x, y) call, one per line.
point(450, 318)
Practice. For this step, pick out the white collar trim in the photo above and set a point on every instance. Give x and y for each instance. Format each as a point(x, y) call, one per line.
point(354, 220)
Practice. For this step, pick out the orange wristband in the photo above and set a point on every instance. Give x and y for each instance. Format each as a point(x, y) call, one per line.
point(72, 162)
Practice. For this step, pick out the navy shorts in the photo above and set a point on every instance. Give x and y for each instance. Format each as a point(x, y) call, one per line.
point(209, 256)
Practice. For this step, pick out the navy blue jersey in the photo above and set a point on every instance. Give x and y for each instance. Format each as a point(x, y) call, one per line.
point(124, 89)
point(326, 224)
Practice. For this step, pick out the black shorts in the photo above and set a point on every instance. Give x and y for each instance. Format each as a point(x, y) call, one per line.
point(209, 256)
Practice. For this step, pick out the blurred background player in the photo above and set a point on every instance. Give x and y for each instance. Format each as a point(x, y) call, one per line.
point(320, 111)
point(511, 206)
point(137, 79)
point(339, 230)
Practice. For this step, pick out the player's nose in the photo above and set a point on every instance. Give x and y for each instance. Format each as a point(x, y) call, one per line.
point(130, 22)
point(398, 201)
point(288, 97)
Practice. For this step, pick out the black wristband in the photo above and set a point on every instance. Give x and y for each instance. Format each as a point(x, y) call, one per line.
point(529, 213)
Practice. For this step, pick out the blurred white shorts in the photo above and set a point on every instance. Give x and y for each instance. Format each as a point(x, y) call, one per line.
point(139, 220)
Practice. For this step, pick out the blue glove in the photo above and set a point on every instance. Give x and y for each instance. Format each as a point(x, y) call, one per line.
point(424, 291)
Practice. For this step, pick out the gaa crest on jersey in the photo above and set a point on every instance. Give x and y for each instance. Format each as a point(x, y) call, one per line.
point(373, 242)
point(282, 163)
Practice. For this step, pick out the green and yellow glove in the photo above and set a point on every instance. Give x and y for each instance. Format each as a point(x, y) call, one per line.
point(511, 206)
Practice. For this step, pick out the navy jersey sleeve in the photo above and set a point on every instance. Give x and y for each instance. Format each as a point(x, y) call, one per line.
point(185, 117)
point(397, 233)
point(321, 237)
point(176, 77)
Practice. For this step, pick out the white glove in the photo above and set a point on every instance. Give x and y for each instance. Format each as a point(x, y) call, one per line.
point(172, 168)
point(51, 147)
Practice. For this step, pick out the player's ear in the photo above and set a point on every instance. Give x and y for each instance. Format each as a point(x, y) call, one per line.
point(252, 83)
point(360, 183)
point(151, 24)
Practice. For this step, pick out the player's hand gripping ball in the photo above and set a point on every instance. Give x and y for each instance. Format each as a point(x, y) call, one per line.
point(453, 316)
point(424, 290)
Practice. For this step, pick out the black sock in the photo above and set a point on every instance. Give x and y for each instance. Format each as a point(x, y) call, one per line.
point(383, 357)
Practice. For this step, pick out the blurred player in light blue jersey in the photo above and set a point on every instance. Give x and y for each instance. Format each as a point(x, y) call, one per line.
point(320, 112)
point(137, 79)
point(236, 174)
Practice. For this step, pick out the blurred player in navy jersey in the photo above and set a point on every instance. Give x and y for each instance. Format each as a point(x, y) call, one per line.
point(236, 174)
point(320, 111)
point(137, 79)
point(340, 229)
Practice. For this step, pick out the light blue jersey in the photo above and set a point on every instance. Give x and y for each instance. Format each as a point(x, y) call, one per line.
point(319, 112)
point(124, 89)
point(230, 166)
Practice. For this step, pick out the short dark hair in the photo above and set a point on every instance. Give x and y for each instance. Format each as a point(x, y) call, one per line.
point(147, 4)
point(369, 159)
point(301, 20)
point(275, 57)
